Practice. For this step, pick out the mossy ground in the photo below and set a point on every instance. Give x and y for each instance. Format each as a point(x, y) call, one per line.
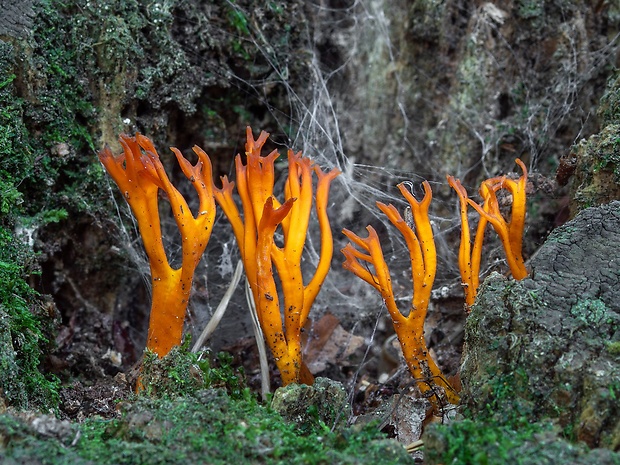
point(209, 427)
point(25, 321)
point(199, 414)
point(474, 442)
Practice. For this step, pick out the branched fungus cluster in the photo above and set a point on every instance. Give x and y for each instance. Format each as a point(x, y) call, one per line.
point(255, 230)
point(140, 176)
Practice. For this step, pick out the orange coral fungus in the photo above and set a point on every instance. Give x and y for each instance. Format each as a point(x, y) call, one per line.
point(469, 260)
point(262, 214)
point(139, 174)
point(510, 232)
point(422, 253)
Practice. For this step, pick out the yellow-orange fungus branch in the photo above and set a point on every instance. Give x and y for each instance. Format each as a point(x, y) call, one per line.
point(139, 174)
point(409, 328)
point(469, 258)
point(262, 215)
point(509, 232)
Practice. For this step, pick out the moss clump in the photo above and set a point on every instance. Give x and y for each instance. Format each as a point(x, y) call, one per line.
point(503, 432)
point(595, 315)
point(191, 422)
point(597, 175)
point(21, 336)
point(213, 428)
point(324, 405)
point(16, 156)
point(182, 373)
point(24, 323)
point(474, 442)
point(614, 348)
point(609, 108)
point(44, 126)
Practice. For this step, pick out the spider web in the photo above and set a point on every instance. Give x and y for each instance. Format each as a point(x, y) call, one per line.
point(320, 123)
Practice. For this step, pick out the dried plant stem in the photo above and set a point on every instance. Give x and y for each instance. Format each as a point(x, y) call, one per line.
point(220, 310)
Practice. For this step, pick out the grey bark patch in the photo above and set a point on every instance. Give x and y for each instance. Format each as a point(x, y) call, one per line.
point(16, 17)
point(544, 347)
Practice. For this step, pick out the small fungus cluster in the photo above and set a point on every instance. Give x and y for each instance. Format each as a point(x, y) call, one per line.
point(262, 214)
point(418, 235)
point(510, 232)
point(423, 257)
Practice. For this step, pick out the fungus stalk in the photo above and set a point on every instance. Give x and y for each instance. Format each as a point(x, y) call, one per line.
point(423, 257)
point(140, 175)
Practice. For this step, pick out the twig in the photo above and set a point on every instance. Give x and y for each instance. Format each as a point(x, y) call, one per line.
point(260, 343)
point(221, 309)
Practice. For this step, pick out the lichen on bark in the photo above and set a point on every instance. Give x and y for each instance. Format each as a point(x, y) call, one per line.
point(548, 335)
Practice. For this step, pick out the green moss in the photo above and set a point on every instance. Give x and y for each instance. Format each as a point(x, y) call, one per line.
point(601, 153)
point(597, 175)
point(21, 334)
point(16, 155)
point(471, 442)
point(207, 427)
point(609, 108)
point(21, 317)
point(65, 101)
point(216, 429)
point(614, 348)
point(238, 19)
point(191, 421)
point(507, 401)
point(44, 123)
point(478, 443)
point(182, 373)
point(606, 151)
point(594, 315)
point(503, 432)
point(322, 406)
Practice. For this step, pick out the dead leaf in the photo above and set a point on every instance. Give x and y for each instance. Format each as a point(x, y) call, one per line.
point(329, 343)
